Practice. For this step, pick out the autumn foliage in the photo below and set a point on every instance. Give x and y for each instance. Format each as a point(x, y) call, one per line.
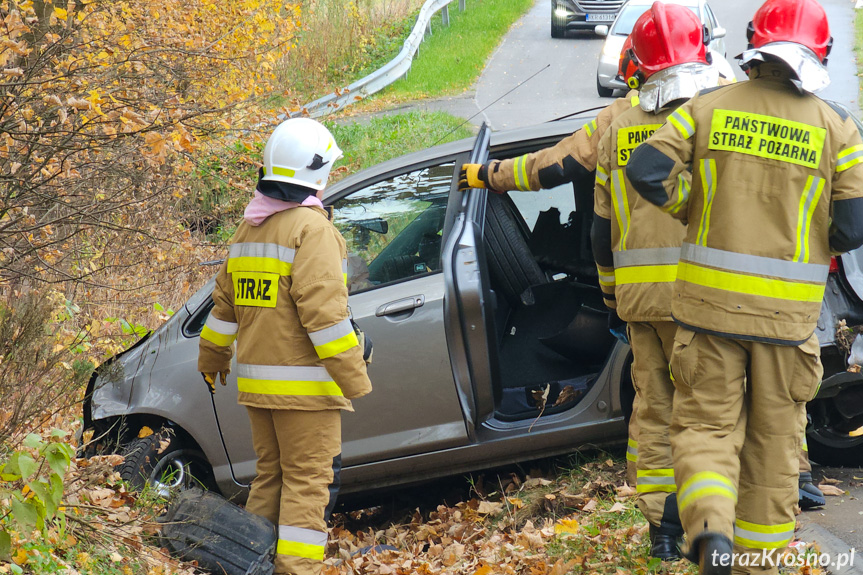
point(106, 110)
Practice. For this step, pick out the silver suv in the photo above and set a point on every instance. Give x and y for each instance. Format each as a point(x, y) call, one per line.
point(491, 340)
point(581, 14)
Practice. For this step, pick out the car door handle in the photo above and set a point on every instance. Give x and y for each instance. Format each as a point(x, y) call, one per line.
point(401, 305)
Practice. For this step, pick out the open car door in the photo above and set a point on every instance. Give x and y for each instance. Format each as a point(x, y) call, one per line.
point(469, 302)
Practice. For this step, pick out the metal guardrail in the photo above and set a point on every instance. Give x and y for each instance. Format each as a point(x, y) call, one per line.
point(392, 71)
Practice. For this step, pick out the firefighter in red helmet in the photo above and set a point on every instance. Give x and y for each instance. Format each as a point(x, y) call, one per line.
point(776, 188)
point(636, 246)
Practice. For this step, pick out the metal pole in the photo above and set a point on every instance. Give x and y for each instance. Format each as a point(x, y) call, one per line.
point(445, 15)
point(461, 5)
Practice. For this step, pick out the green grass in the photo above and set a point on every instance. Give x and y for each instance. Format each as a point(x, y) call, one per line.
point(858, 47)
point(386, 137)
point(452, 58)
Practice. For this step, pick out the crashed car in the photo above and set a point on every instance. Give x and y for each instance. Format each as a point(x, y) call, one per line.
point(490, 334)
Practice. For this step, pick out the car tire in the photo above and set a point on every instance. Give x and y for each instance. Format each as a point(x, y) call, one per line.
point(510, 260)
point(162, 461)
point(602, 90)
point(833, 450)
point(558, 24)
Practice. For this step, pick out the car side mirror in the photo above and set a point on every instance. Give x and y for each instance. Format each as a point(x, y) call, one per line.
point(719, 32)
point(376, 225)
point(601, 30)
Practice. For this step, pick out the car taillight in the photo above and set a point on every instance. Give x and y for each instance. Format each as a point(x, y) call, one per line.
point(834, 265)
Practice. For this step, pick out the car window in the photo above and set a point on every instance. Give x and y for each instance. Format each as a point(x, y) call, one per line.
point(394, 228)
point(530, 204)
point(630, 13)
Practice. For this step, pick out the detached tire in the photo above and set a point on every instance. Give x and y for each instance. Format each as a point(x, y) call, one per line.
point(162, 461)
point(831, 449)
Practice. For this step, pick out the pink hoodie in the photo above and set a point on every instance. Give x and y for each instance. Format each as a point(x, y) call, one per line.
point(262, 207)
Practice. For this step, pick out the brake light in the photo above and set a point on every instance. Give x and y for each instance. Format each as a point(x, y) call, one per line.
point(834, 265)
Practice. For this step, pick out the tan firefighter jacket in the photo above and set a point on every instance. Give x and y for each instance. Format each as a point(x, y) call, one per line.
point(561, 163)
point(281, 294)
point(638, 271)
point(777, 184)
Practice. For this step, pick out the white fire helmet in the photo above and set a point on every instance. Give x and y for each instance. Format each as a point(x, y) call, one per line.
point(300, 151)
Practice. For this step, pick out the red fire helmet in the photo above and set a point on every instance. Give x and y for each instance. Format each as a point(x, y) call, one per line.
point(667, 35)
point(799, 21)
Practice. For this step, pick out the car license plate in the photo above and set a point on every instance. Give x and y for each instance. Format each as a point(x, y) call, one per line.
point(600, 17)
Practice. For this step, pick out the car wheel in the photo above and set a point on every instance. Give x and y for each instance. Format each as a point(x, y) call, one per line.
point(163, 462)
point(602, 90)
point(833, 448)
point(558, 24)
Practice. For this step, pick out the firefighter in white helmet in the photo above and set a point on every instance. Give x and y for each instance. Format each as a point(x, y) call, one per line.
point(281, 294)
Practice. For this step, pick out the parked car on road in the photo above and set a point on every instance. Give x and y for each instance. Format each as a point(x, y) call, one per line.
point(581, 14)
point(607, 79)
point(491, 342)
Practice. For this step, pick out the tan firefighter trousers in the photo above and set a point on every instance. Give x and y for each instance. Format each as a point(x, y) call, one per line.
point(651, 348)
point(298, 453)
point(735, 437)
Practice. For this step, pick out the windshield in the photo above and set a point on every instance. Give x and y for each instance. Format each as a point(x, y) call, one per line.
point(630, 13)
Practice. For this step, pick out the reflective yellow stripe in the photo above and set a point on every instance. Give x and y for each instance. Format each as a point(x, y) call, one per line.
point(684, 123)
point(645, 274)
point(601, 175)
point(253, 264)
point(338, 346)
point(655, 481)
point(746, 284)
point(220, 339)
point(286, 380)
point(849, 157)
point(808, 203)
point(757, 536)
point(805, 444)
point(632, 450)
point(635, 100)
point(621, 204)
point(520, 173)
point(590, 128)
point(705, 484)
point(277, 171)
point(304, 550)
point(708, 185)
point(683, 189)
point(276, 387)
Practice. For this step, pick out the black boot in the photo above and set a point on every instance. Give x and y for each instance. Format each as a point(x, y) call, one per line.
point(810, 496)
point(663, 545)
point(664, 540)
point(712, 551)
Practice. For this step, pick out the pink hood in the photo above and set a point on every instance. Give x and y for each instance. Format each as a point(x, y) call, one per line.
point(262, 207)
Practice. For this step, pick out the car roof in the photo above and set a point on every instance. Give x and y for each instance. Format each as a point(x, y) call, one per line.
point(552, 129)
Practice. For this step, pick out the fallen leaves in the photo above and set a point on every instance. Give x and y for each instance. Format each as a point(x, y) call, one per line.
point(830, 490)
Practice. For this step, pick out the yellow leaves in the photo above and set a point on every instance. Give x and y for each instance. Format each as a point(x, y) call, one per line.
point(566, 527)
point(21, 556)
point(61, 14)
point(144, 432)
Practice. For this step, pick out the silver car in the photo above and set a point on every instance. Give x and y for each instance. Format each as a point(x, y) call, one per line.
point(491, 340)
point(607, 80)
